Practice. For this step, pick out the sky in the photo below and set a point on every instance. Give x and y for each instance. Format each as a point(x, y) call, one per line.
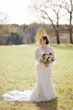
point(19, 12)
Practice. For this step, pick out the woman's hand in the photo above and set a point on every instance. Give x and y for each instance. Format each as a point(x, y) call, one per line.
point(42, 63)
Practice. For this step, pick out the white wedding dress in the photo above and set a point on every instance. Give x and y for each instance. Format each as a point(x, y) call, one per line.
point(44, 89)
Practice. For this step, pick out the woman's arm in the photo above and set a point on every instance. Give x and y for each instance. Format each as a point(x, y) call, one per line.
point(37, 55)
point(54, 54)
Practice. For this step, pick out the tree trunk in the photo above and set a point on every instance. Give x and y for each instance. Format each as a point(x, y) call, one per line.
point(57, 35)
point(57, 30)
point(70, 28)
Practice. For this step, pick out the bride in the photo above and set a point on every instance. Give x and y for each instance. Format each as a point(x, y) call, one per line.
point(44, 89)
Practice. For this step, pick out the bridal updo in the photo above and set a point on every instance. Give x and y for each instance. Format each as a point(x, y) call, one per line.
point(45, 38)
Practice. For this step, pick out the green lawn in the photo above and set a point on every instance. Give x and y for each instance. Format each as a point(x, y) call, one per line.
point(17, 71)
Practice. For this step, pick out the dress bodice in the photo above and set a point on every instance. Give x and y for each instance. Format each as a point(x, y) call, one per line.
point(41, 50)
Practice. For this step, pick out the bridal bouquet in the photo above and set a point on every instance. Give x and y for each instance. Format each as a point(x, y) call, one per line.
point(47, 58)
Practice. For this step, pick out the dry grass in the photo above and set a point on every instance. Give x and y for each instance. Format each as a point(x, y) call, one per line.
point(17, 71)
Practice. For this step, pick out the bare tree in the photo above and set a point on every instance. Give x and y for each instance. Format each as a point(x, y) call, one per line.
point(3, 18)
point(43, 8)
point(68, 6)
point(3, 29)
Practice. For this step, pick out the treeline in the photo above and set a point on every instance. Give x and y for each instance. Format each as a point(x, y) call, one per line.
point(25, 34)
point(53, 11)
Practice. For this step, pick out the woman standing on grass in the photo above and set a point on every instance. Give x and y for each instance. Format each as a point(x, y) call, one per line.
point(44, 89)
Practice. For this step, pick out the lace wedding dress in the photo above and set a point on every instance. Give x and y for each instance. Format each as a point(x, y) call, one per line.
point(44, 89)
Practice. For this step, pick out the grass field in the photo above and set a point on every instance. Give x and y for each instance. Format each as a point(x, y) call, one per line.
point(17, 71)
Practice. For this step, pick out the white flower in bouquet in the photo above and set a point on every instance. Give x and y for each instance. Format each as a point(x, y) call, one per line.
point(47, 58)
